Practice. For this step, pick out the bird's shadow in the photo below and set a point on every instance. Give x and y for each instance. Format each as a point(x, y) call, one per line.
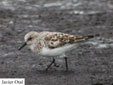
point(55, 72)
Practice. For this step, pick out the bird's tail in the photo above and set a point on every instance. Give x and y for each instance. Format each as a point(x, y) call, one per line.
point(96, 35)
point(87, 37)
point(91, 36)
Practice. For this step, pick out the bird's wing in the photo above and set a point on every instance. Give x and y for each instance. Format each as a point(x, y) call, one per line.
point(55, 40)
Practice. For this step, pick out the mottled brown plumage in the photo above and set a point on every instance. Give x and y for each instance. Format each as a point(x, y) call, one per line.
point(55, 40)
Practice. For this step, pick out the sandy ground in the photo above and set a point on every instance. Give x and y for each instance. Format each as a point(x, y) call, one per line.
point(90, 64)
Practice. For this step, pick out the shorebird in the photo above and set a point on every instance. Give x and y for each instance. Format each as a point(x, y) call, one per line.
point(53, 43)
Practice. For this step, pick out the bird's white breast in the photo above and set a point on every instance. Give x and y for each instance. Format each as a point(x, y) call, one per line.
point(56, 51)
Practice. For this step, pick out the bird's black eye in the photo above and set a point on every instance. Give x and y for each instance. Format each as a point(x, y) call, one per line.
point(29, 39)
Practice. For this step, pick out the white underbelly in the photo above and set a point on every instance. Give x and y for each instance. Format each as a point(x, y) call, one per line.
point(56, 51)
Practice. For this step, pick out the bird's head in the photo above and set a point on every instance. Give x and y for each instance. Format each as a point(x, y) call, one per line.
point(29, 39)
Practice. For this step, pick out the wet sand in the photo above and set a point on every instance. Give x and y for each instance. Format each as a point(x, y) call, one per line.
point(89, 64)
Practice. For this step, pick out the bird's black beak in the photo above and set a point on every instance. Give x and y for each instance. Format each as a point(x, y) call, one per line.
point(22, 46)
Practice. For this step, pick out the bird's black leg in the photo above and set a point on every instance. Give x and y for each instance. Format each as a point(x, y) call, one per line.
point(66, 63)
point(53, 61)
point(56, 64)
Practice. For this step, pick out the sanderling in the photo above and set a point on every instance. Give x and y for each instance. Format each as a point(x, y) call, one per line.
point(52, 43)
